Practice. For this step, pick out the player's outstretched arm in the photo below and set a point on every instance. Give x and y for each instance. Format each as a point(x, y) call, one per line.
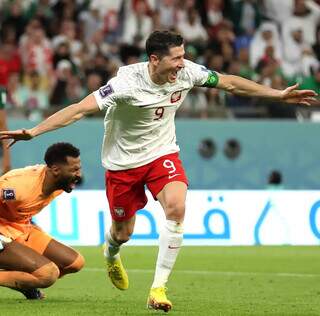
point(62, 118)
point(244, 87)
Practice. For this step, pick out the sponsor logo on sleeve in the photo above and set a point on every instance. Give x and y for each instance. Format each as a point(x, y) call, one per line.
point(8, 194)
point(106, 90)
point(176, 96)
point(119, 211)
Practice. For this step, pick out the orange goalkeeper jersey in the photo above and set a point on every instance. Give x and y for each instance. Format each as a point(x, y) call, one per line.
point(21, 198)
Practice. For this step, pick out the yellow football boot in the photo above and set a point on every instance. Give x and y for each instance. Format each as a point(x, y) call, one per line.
point(157, 299)
point(117, 273)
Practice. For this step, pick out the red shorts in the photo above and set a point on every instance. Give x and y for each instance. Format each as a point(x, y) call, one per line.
point(126, 188)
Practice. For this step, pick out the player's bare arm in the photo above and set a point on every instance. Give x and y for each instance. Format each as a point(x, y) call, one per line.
point(244, 87)
point(62, 118)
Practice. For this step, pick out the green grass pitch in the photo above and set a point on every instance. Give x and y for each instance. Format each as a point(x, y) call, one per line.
point(206, 281)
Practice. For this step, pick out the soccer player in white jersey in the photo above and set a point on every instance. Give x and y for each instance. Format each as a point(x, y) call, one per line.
point(139, 146)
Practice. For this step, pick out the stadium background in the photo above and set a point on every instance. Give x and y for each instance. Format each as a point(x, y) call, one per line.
point(246, 155)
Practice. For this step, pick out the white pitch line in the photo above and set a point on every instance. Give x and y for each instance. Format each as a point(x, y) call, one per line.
point(226, 273)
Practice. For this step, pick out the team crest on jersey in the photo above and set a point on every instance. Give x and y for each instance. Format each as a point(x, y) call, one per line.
point(8, 194)
point(119, 211)
point(106, 90)
point(176, 96)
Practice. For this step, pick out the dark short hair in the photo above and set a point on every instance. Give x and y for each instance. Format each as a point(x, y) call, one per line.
point(159, 42)
point(58, 153)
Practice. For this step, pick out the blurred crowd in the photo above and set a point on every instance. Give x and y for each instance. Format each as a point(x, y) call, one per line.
point(53, 53)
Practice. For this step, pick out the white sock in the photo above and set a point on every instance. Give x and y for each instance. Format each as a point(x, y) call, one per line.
point(170, 242)
point(112, 248)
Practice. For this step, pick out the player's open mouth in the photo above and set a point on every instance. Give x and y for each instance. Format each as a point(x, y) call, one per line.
point(74, 182)
point(72, 185)
point(173, 76)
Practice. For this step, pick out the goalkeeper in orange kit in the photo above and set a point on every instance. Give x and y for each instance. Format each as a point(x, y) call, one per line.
point(30, 258)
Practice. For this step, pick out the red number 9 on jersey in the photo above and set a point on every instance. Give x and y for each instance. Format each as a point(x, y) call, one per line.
point(159, 113)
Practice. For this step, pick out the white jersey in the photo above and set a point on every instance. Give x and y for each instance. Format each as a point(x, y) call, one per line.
point(139, 122)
